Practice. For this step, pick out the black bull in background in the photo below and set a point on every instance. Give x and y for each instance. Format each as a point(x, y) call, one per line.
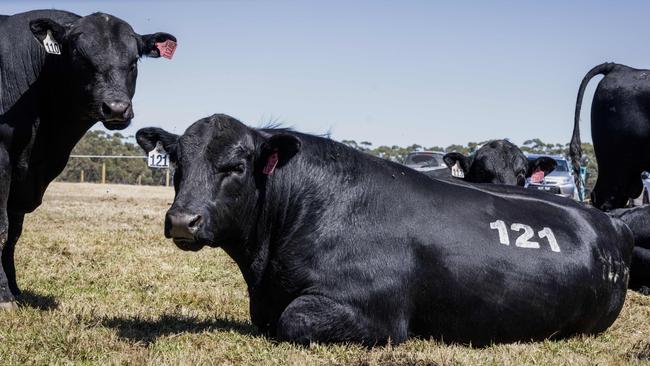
point(620, 130)
point(59, 74)
point(638, 220)
point(336, 245)
point(497, 162)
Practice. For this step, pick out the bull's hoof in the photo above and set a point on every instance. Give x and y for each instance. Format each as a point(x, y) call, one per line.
point(8, 305)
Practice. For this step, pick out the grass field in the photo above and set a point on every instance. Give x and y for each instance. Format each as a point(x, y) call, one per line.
point(103, 286)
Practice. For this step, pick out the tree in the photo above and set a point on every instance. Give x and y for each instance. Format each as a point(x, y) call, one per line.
point(124, 171)
point(532, 146)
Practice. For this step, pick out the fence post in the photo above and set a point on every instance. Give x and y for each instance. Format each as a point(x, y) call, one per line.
point(81, 177)
point(103, 173)
point(167, 177)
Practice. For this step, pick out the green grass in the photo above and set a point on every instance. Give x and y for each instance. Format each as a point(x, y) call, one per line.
point(103, 286)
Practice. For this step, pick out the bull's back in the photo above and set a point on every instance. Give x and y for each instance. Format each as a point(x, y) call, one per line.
point(620, 105)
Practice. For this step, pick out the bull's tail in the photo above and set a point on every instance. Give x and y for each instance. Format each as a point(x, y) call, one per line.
point(575, 150)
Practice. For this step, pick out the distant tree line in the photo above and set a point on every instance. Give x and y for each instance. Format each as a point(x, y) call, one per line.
point(122, 171)
point(136, 171)
point(533, 146)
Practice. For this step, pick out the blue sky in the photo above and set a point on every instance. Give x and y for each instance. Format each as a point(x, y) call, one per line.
point(390, 72)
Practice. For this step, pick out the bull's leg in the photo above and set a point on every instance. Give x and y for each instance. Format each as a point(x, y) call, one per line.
point(610, 191)
point(15, 229)
point(640, 270)
point(314, 318)
point(7, 300)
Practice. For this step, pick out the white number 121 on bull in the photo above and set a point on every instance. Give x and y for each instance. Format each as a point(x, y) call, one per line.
point(158, 157)
point(523, 240)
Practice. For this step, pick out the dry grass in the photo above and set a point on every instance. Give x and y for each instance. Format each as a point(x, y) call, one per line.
point(103, 286)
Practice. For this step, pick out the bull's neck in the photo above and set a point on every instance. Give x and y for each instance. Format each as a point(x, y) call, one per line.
point(280, 219)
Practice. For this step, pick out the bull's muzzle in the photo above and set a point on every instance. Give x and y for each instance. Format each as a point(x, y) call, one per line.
point(117, 114)
point(181, 225)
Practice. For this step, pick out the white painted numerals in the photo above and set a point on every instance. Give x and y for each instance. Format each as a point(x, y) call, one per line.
point(503, 231)
point(523, 240)
point(548, 234)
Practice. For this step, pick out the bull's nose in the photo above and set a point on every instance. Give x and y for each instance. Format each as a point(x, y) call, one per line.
point(181, 225)
point(117, 110)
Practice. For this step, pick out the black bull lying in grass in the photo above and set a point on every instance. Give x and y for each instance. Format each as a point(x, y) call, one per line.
point(336, 245)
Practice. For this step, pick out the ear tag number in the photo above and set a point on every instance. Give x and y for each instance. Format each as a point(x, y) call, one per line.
point(271, 163)
point(158, 157)
point(166, 48)
point(537, 176)
point(456, 171)
point(51, 45)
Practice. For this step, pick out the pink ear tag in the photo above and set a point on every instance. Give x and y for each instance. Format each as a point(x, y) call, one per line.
point(537, 176)
point(166, 48)
point(271, 163)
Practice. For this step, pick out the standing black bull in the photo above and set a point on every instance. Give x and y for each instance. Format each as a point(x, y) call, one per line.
point(49, 100)
point(337, 245)
point(620, 129)
point(497, 162)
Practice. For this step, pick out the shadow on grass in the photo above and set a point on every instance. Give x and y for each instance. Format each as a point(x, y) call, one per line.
point(31, 299)
point(147, 331)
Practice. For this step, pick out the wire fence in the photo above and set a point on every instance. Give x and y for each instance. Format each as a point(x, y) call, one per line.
point(121, 169)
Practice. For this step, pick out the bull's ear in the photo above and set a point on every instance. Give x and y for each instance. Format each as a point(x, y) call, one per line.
point(152, 43)
point(41, 26)
point(543, 163)
point(454, 157)
point(148, 137)
point(277, 150)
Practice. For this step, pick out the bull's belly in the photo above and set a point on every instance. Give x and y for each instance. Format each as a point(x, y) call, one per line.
point(505, 305)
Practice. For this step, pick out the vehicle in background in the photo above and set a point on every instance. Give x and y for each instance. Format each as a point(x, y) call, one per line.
point(425, 161)
point(559, 181)
point(643, 198)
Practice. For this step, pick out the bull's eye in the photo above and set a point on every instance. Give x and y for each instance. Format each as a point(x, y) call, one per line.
point(238, 169)
point(230, 169)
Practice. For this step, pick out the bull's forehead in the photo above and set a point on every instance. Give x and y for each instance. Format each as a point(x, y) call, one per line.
point(105, 36)
point(502, 151)
point(216, 134)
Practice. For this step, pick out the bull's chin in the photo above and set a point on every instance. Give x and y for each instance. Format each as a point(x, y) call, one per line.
point(116, 124)
point(188, 245)
point(192, 245)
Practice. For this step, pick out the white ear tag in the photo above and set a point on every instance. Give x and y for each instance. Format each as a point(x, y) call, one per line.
point(158, 158)
point(456, 171)
point(51, 45)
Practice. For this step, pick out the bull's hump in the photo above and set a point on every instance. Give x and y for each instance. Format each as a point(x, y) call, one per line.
point(61, 16)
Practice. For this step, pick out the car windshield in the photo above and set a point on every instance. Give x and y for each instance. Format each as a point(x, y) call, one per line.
point(423, 160)
point(562, 166)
